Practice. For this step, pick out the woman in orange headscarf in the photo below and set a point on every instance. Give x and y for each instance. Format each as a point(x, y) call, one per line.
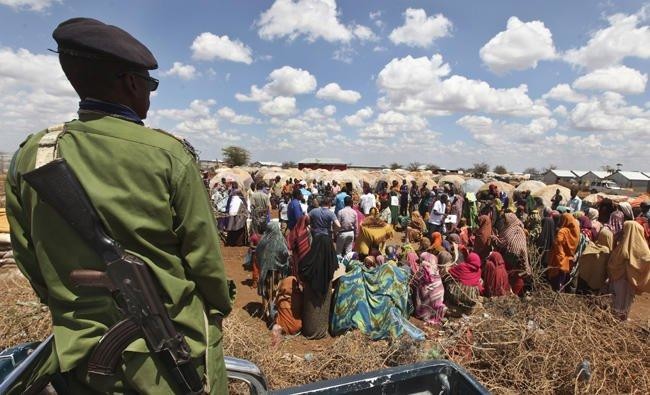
point(563, 251)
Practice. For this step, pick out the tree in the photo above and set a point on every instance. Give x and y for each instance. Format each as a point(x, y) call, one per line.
point(414, 166)
point(433, 167)
point(395, 166)
point(532, 171)
point(608, 168)
point(500, 169)
point(289, 164)
point(235, 156)
point(480, 169)
point(549, 168)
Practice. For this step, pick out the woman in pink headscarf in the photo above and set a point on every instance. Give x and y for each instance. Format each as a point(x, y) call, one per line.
point(429, 292)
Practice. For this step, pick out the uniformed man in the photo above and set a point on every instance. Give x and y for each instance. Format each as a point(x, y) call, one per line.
point(147, 188)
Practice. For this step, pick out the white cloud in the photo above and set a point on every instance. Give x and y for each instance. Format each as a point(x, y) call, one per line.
point(491, 132)
point(364, 33)
point(208, 46)
point(414, 85)
point(182, 71)
point(319, 114)
point(197, 122)
point(288, 81)
point(34, 94)
point(609, 46)
point(563, 92)
point(231, 116)
point(312, 18)
point(333, 91)
point(256, 95)
point(29, 5)
point(358, 118)
point(344, 54)
point(375, 16)
point(314, 128)
point(519, 47)
point(560, 111)
point(611, 113)
point(285, 81)
point(197, 109)
point(419, 30)
point(620, 79)
point(280, 106)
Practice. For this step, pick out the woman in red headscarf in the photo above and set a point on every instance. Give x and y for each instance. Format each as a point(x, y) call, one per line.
point(463, 284)
point(495, 276)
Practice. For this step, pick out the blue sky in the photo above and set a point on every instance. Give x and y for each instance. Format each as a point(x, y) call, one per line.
point(518, 83)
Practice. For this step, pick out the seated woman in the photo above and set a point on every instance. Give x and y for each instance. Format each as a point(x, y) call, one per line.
point(592, 272)
point(288, 303)
point(495, 276)
point(463, 284)
point(513, 245)
point(373, 234)
point(415, 228)
point(375, 301)
point(429, 291)
point(445, 257)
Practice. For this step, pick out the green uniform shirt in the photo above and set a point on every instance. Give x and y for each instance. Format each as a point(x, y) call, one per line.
point(148, 191)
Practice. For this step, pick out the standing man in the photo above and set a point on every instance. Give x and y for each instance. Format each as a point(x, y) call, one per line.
point(260, 208)
point(339, 201)
point(437, 217)
point(415, 196)
point(347, 231)
point(368, 201)
point(575, 203)
point(556, 200)
point(403, 199)
point(152, 201)
point(294, 210)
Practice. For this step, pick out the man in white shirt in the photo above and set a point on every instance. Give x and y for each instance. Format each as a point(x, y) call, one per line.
point(347, 219)
point(575, 203)
point(437, 216)
point(367, 202)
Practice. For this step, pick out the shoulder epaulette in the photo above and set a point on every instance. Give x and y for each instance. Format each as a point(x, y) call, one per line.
point(186, 144)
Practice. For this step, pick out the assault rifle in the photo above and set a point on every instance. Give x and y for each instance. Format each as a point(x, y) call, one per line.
point(127, 277)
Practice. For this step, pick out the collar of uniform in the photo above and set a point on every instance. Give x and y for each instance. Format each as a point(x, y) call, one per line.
point(112, 109)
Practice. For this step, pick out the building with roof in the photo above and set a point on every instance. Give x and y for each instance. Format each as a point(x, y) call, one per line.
point(593, 175)
point(635, 180)
point(555, 176)
point(322, 163)
point(260, 163)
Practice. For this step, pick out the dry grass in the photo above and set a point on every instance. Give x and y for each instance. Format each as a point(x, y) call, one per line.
point(349, 354)
point(512, 346)
point(24, 319)
point(541, 345)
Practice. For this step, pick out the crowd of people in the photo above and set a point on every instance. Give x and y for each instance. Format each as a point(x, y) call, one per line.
point(451, 248)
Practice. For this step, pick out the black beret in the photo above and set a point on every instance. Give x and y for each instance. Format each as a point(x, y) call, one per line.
point(90, 38)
